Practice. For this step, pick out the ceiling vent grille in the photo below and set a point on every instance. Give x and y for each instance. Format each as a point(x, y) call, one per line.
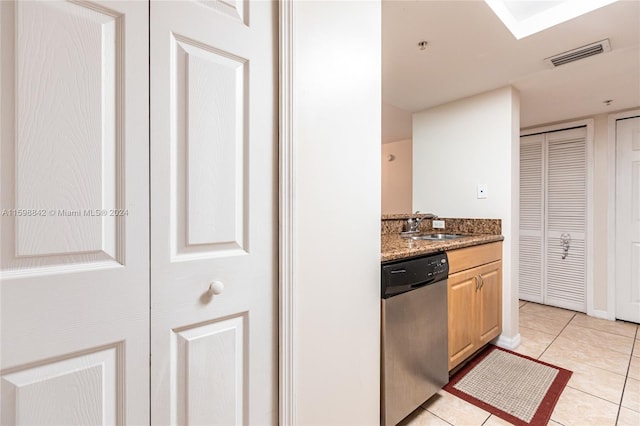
point(579, 53)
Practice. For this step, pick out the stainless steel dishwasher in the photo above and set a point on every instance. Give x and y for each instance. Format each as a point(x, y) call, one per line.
point(414, 354)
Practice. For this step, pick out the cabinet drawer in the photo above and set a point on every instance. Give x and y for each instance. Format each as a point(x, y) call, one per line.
point(469, 257)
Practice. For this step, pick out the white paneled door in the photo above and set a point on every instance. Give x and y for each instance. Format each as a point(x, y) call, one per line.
point(628, 219)
point(213, 205)
point(124, 300)
point(75, 215)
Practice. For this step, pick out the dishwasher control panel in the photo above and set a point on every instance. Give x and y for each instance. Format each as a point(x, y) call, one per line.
point(405, 275)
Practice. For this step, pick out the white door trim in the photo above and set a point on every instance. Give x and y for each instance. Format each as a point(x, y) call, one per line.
point(589, 123)
point(287, 275)
point(611, 210)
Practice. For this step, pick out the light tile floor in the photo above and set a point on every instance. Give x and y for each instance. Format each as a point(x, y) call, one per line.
point(603, 355)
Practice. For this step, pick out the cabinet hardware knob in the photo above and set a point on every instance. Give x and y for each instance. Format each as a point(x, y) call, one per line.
point(216, 288)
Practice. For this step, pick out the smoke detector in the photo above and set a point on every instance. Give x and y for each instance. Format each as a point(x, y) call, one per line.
point(579, 53)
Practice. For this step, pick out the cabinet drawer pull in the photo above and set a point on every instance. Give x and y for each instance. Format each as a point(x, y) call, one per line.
point(481, 281)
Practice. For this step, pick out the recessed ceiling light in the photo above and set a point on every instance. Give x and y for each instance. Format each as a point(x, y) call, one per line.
point(524, 18)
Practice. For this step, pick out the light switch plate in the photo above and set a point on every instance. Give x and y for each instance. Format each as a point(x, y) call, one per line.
point(438, 224)
point(482, 190)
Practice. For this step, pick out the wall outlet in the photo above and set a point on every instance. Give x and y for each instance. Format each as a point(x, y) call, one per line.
point(482, 190)
point(438, 224)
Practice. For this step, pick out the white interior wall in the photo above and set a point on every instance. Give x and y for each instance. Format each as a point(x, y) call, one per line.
point(459, 145)
point(336, 122)
point(397, 176)
point(396, 123)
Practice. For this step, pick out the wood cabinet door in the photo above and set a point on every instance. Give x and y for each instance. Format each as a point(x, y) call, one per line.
point(462, 324)
point(489, 301)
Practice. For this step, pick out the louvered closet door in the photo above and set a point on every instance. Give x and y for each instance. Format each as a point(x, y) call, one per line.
point(566, 209)
point(553, 203)
point(531, 217)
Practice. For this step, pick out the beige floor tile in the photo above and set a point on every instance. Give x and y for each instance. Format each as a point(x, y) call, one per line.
point(598, 338)
point(422, 417)
point(544, 324)
point(521, 303)
point(494, 420)
point(631, 396)
point(584, 353)
point(628, 417)
point(636, 349)
point(592, 380)
point(548, 311)
point(454, 410)
point(552, 423)
point(533, 342)
point(634, 368)
point(578, 408)
point(615, 327)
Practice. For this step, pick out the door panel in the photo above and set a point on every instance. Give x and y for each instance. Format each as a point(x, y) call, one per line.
point(462, 322)
point(75, 215)
point(628, 219)
point(210, 103)
point(85, 386)
point(490, 301)
point(63, 100)
point(566, 213)
point(213, 186)
point(210, 371)
point(532, 196)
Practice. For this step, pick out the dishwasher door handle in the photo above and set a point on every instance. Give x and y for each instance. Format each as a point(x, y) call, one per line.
point(421, 284)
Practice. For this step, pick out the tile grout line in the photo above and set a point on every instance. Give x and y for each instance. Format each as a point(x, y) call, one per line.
point(626, 377)
point(547, 347)
point(558, 335)
point(606, 331)
point(588, 393)
point(435, 415)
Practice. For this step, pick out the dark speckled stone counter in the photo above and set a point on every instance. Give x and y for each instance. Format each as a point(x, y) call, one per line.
point(395, 247)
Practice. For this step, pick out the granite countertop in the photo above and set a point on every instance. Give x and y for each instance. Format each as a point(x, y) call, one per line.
point(395, 247)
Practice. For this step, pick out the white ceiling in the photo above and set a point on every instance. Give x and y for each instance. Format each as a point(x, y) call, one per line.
point(470, 51)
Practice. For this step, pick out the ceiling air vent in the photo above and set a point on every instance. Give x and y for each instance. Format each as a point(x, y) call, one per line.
point(579, 53)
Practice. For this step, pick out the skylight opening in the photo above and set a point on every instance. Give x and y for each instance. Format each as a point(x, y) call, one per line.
point(524, 18)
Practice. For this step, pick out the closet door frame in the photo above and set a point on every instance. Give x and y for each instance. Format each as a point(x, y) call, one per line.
point(611, 210)
point(589, 123)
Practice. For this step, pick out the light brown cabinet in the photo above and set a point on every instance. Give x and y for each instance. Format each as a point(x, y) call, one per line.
point(474, 299)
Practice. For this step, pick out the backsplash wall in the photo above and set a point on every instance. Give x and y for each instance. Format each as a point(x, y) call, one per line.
point(396, 223)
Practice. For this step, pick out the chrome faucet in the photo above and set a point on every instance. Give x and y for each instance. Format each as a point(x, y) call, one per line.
point(413, 222)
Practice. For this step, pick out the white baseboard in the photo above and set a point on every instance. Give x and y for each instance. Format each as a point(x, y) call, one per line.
point(597, 313)
point(508, 342)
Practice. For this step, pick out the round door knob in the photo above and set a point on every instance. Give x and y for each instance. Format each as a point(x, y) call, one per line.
point(216, 287)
